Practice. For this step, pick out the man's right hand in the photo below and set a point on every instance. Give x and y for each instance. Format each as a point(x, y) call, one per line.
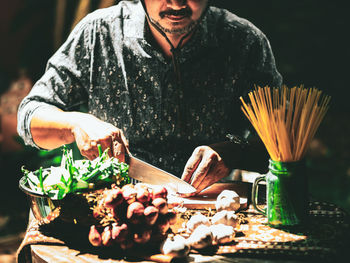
point(90, 131)
point(52, 127)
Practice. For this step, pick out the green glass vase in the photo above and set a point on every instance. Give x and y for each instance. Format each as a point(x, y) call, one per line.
point(286, 193)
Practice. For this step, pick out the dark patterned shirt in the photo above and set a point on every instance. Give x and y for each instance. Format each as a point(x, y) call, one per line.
point(111, 63)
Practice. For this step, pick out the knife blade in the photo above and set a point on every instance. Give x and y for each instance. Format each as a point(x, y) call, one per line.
point(147, 173)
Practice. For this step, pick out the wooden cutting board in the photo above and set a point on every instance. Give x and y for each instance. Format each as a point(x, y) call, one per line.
point(207, 198)
point(192, 203)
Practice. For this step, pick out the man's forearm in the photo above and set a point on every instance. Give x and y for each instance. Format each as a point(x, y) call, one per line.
point(52, 127)
point(251, 157)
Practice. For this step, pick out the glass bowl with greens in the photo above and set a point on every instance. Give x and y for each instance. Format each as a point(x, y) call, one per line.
point(63, 188)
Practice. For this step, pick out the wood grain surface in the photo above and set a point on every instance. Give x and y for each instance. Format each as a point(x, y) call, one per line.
point(207, 198)
point(62, 254)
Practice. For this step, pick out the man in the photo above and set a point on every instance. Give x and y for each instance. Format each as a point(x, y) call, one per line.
point(160, 78)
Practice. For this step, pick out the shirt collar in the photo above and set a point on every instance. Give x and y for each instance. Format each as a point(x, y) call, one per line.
point(133, 20)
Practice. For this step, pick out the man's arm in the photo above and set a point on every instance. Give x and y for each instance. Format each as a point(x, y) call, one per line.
point(45, 116)
point(52, 127)
point(62, 86)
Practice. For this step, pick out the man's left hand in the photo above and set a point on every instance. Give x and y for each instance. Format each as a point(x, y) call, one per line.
point(204, 168)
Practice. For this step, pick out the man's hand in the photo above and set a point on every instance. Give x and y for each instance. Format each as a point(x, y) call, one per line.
point(90, 131)
point(51, 128)
point(204, 168)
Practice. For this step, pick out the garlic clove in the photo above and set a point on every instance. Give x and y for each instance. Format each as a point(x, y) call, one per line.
point(222, 233)
point(225, 217)
point(175, 246)
point(196, 220)
point(201, 237)
point(227, 200)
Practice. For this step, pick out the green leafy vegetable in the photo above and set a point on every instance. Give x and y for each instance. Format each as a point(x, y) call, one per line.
point(77, 176)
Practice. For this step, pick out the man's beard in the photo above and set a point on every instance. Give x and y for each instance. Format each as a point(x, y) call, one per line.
point(176, 30)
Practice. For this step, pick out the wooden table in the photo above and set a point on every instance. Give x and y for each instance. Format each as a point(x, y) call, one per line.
point(330, 219)
point(63, 254)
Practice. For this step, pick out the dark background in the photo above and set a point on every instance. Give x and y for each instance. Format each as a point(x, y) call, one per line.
point(311, 47)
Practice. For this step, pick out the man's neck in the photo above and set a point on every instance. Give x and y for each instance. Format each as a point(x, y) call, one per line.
point(164, 44)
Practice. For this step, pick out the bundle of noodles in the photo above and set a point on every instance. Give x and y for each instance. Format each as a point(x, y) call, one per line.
point(286, 119)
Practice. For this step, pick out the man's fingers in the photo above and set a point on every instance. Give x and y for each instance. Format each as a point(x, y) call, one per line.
point(217, 170)
point(89, 151)
point(207, 181)
point(190, 167)
point(125, 142)
point(119, 151)
point(126, 145)
point(88, 137)
point(106, 144)
point(120, 145)
point(200, 173)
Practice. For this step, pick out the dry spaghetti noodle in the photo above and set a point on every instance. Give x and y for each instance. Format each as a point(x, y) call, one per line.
point(286, 119)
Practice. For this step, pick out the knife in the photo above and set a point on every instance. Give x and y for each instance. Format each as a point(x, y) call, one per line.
point(147, 173)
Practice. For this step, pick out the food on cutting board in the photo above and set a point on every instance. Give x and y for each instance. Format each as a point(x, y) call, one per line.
point(227, 200)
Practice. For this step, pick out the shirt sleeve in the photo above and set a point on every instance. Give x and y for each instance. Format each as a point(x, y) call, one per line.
point(262, 70)
point(64, 82)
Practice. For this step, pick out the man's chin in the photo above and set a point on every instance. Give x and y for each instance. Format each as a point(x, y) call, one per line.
point(177, 27)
